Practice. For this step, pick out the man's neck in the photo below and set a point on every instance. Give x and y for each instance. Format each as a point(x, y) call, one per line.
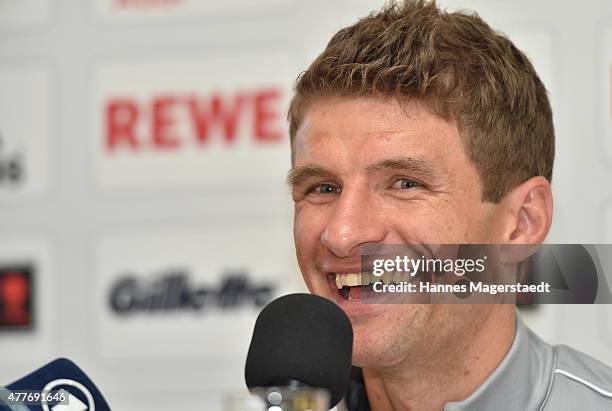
point(443, 375)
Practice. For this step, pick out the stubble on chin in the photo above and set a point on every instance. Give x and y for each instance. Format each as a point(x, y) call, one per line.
point(388, 340)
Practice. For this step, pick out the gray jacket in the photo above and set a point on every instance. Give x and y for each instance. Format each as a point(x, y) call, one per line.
point(534, 376)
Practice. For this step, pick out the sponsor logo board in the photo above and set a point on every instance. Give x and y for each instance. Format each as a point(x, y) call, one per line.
point(161, 124)
point(172, 293)
point(24, 131)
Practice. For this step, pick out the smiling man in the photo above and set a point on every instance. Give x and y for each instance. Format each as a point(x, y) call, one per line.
point(417, 126)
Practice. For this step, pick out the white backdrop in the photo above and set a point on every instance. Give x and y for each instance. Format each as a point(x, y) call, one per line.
point(148, 141)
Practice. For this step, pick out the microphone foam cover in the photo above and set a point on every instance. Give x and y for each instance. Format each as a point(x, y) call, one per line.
point(301, 337)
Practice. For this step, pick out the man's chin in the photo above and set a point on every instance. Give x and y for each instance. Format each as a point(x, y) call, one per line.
point(375, 358)
point(385, 340)
point(373, 344)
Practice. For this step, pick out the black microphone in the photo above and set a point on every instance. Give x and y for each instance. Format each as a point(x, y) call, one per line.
point(59, 385)
point(303, 339)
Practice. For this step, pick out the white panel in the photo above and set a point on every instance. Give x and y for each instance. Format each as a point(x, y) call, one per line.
point(20, 14)
point(605, 71)
point(252, 146)
point(206, 259)
point(25, 131)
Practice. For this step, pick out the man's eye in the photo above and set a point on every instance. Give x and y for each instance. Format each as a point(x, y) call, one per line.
point(405, 183)
point(325, 189)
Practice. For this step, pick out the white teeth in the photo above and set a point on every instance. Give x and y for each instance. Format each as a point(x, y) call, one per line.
point(357, 279)
point(348, 280)
point(339, 281)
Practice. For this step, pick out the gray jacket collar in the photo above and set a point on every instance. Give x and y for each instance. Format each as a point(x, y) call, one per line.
point(520, 382)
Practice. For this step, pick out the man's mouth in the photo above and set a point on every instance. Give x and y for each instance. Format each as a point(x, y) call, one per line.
point(351, 285)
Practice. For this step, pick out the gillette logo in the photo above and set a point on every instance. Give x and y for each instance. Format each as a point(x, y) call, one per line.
point(173, 291)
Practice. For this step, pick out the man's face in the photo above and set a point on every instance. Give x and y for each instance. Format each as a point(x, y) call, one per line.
point(370, 171)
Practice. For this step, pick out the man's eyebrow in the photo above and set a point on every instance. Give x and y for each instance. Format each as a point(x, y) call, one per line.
point(298, 174)
point(412, 164)
point(416, 165)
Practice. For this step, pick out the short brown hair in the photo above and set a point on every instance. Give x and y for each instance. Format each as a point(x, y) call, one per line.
point(460, 68)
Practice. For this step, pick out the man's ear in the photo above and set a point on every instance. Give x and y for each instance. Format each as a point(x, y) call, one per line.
point(528, 210)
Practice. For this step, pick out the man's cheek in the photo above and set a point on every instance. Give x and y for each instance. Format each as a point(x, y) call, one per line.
point(309, 223)
point(303, 235)
point(306, 247)
point(424, 229)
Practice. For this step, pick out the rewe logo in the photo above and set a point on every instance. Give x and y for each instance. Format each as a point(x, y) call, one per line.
point(12, 168)
point(172, 291)
point(176, 122)
point(155, 124)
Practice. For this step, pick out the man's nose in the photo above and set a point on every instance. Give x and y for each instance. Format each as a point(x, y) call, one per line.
point(355, 221)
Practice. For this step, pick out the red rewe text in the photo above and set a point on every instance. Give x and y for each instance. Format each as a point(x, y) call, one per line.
point(158, 123)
